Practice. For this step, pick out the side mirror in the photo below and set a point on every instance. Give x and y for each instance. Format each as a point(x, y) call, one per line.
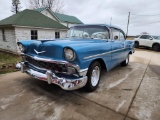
point(150, 38)
point(115, 37)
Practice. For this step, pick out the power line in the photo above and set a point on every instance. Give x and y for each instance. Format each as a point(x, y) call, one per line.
point(145, 15)
point(146, 24)
point(149, 23)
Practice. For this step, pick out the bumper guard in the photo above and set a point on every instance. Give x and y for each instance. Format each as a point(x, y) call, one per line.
point(50, 77)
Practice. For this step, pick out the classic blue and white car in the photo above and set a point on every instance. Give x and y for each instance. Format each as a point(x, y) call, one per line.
point(76, 61)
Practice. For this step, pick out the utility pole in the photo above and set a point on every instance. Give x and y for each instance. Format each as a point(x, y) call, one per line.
point(128, 24)
point(110, 21)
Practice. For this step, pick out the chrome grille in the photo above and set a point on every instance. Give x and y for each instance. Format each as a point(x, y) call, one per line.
point(46, 65)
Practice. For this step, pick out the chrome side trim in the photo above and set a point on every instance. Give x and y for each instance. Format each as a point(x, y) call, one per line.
point(92, 56)
point(96, 55)
point(118, 50)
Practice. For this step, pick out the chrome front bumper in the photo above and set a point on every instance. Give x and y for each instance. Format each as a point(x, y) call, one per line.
point(50, 77)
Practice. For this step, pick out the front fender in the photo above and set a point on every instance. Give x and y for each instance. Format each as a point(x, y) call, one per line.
point(88, 53)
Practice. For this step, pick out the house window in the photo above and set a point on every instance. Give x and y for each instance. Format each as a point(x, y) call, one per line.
point(3, 35)
point(57, 35)
point(34, 34)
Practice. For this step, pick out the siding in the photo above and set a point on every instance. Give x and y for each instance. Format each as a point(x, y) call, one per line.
point(25, 33)
point(48, 14)
point(10, 43)
point(65, 24)
point(63, 34)
point(21, 33)
point(68, 24)
point(50, 34)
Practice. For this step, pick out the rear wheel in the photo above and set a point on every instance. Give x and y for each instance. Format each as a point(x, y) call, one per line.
point(156, 47)
point(136, 45)
point(125, 62)
point(93, 74)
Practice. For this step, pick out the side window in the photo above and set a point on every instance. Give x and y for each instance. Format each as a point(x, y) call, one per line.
point(143, 37)
point(85, 35)
point(3, 35)
point(121, 36)
point(115, 34)
point(77, 32)
point(57, 35)
point(149, 37)
point(34, 34)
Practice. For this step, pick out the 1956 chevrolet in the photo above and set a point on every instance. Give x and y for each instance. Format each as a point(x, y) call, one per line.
point(76, 61)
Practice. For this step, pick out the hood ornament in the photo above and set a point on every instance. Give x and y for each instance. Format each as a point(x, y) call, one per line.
point(39, 52)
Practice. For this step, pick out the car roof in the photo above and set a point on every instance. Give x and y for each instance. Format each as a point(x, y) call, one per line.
point(106, 25)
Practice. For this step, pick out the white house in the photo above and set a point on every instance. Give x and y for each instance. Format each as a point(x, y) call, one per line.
point(26, 25)
point(64, 19)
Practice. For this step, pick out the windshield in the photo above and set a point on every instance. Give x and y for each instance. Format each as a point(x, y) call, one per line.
point(90, 32)
point(156, 37)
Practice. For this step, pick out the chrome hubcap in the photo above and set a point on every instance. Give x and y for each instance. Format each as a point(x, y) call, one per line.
point(156, 47)
point(95, 76)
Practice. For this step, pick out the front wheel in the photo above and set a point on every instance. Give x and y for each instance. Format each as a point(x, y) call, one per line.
point(156, 47)
point(93, 74)
point(125, 62)
point(136, 45)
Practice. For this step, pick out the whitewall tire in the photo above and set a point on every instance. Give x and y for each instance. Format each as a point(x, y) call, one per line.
point(93, 74)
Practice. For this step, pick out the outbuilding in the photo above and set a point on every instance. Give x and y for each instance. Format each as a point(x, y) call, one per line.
point(66, 20)
point(28, 25)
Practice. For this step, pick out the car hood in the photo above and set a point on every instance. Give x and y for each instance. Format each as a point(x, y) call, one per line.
point(55, 48)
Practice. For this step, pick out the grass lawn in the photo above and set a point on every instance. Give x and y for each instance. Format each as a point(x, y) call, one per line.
point(8, 59)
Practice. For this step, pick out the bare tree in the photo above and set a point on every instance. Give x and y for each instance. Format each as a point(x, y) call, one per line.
point(16, 6)
point(54, 5)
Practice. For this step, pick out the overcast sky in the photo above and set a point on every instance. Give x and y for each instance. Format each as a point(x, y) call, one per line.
point(101, 11)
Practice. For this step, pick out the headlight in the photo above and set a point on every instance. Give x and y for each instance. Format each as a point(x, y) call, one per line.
point(69, 54)
point(21, 47)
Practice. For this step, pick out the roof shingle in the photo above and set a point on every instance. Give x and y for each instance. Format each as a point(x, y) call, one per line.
point(62, 17)
point(67, 18)
point(31, 18)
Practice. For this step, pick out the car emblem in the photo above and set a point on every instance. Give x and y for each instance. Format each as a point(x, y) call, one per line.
point(39, 52)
